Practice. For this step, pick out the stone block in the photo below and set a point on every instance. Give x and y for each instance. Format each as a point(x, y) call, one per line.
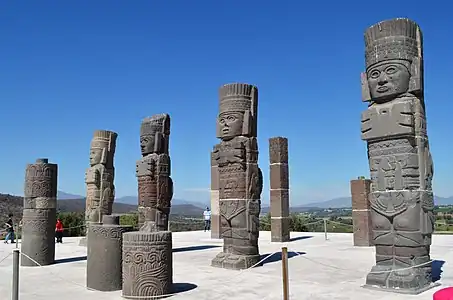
point(278, 150)
point(147, 264)
point(280, 230)
point(360, 189)
point(104, 254)
point(279, 202)
point(363, 236)
point(279, 176)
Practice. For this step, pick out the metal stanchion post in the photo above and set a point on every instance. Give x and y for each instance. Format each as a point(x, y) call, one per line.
point(325, 229)
point(285, 273)
point(17, 236)
point(15, 292)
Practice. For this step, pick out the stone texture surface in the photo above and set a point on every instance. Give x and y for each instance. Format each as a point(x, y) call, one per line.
point(401, 167)
point(104, 254)
point(215, 206)
point(361, 219)
point(147, 264)
point(39, 214)
point(240, 178)
point(279, 189)
point(100, 176)
point(153, 170)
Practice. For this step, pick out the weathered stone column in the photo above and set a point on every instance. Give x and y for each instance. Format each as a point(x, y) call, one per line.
point(240, 178)
point(279, 189)
point(147, 253)
point(104, 254)
point(39, 214)
point(394, 126)
point(361, 219)
point(215, 208)
point(153, 170)
point(147, 264)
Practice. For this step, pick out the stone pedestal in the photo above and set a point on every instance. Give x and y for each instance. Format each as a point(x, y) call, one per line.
point(104, 254)
point(215, 213)
point(147, 264)
point(39, 214)
point(279, 189)
point(361, 218)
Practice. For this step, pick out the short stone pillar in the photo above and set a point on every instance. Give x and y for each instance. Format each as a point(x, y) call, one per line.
point(104, 254)
point(215, 206)
point(361, 219)
point(279, 189)
point(147, 264)
point(39, 214)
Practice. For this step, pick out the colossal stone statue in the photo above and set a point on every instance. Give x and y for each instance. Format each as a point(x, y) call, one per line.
point(99, 177)
point(394, 126)
point(147, 253)
point(155, 186)
point(39, 215)
point(240, 178)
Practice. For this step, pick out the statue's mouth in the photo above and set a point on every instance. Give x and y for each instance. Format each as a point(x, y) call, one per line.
point(382, 89)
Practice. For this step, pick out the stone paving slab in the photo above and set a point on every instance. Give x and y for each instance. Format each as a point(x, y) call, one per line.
point(325, 270)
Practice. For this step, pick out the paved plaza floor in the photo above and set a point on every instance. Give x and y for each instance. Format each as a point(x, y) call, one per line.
point(318, 269)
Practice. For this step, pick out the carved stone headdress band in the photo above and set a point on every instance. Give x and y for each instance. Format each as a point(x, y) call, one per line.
point(155, 123)
point(393, 39)
point(237, 97)
point(104, 139)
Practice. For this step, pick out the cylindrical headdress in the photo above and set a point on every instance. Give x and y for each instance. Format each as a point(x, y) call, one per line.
point(105, 140)
point(242, 98)
point(393, 39)
point(157, 126)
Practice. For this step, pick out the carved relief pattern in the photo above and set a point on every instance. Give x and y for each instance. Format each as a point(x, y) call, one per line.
point(239, 178)
point(147, 264)
point(155, 186)
point(394, 126)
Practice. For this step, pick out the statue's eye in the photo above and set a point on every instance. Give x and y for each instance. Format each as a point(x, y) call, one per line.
point(231, 118)
point(390, 70)
point(375, 74)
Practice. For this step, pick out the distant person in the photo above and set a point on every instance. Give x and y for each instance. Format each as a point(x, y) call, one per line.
point(59, 231)
point(207, 219)
point(9, 229)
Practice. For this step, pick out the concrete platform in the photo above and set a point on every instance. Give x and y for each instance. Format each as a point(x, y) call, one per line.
point(326, 270)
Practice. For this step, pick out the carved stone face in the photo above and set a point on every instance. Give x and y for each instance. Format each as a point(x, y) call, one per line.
point(388, 78)
point(95, 156)
point(147, 144)
point(230, 124)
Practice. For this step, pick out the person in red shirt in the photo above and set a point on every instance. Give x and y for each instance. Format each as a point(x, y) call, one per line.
point(59, 231)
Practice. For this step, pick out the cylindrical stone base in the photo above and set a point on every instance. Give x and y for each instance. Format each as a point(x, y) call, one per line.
point(104, 250)
point(147, 264)
point(38, 237)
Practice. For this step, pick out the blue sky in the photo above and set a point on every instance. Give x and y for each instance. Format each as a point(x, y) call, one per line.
point(70, 67)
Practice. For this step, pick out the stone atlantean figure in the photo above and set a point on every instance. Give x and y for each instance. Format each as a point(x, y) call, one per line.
point(240, 178)
point(394, 126)
point(39, 215)
point(155, 186)
point(99, 177)
point(147, 253)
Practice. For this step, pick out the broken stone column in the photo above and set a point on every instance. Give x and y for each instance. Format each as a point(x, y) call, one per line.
point(279, 189)
point(361, 219)
point(240, 178)
point(39, 214)
point(401, 166)
point(104, 254)
point(215, 212)
point(147, 264)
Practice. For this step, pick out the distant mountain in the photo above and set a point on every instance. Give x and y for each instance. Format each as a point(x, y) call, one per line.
point(64, 196)
point(345, 202)
point(134, 200)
